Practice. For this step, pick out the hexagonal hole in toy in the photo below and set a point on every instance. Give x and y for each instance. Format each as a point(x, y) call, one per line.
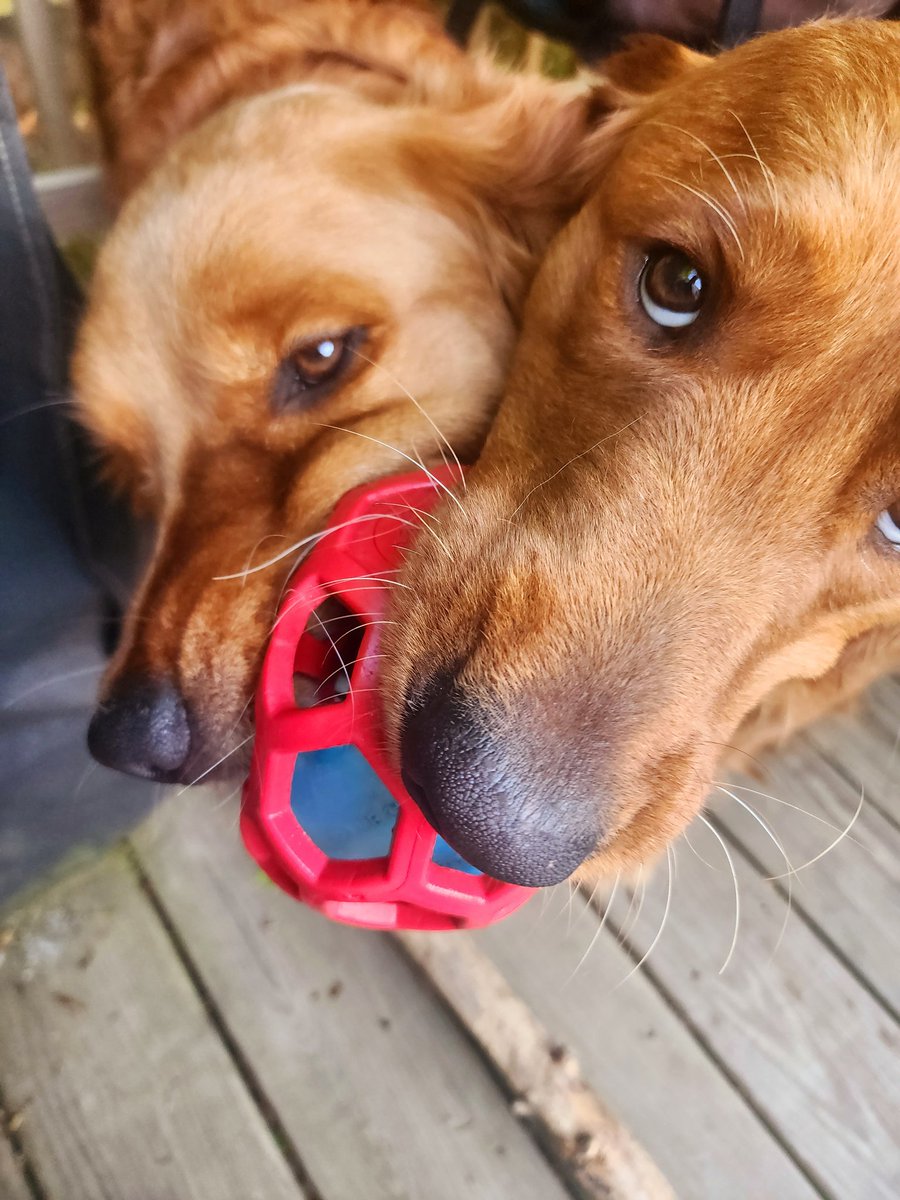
point(326, 654)
point(444, 855)
point(342, 804)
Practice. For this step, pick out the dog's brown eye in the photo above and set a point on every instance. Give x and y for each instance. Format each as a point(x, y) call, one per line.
point(315, 362)
point(671, 289)
point(313, 366)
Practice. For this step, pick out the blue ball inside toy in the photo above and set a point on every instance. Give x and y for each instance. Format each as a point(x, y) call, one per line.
point(341, 803)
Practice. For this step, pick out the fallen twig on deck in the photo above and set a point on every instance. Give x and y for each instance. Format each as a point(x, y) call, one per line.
point(597, 1153)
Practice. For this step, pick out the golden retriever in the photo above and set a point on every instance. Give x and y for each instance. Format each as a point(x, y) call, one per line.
point(683, 533)
point(332, 218)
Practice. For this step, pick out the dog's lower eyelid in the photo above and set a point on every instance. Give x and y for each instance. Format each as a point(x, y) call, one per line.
point(312, 369)
point(888, 524)
point(671, 289)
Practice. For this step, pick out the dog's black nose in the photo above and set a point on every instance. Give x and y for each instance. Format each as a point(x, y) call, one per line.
point(483, 796)
point(142, 729)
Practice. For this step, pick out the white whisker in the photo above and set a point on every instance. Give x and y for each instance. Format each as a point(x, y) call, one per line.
point(740, 787)
point(629, 925)
point(713, 204)
point(589, 906)
point(709, 150)
point(412, 508)
point(218, 763)
point(843, 833)
point(763, 825)
point(427, 528)
point(227, 799)
point(637, 966)
point(574, 458)
point(768, 174)
point(737, 892)
point(396, 450)
point(45, 683)
point(306, 541)
point(626, 920)
point(89, 771)
point(571, 904)
point(265, 538)
point(377, 579)
point(33, 408)
point(601, 924)
point(241, 714)
point(696, 853)
point(289, 608)
point(789, 875)
point(406, 392)
point(343, 667)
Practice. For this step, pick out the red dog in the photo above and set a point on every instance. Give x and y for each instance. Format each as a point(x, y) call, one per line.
point(684, 530)
point(333, 216)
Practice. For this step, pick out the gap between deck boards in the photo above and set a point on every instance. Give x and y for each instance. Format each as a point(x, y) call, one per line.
point(848, 977)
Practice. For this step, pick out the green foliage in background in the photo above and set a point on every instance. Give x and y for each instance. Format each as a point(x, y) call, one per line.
point(509, 40)
point(80, 254)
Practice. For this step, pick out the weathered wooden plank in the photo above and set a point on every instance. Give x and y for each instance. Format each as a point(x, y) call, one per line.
point(814, 1050)
point(106, 1051)
point(12, 1181)
point(852, 893)
point(597, 1153)
point(375, 1085)
point(637, 1054)
point(888, 687)
point(865, 745)
point(882, 704)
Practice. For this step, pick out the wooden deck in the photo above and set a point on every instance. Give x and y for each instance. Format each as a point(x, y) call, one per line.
point(173, 1028)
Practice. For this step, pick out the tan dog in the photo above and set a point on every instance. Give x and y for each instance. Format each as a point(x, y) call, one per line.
point(684, 530)
point(323, 268)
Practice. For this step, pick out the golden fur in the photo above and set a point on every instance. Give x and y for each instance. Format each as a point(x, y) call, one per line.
point(401, 189)
point(669, 545)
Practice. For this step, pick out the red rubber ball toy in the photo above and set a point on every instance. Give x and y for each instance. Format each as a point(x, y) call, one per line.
point(324, 813)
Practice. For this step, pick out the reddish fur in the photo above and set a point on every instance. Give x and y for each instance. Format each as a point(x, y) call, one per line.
point(669, 547)
point(412, 199)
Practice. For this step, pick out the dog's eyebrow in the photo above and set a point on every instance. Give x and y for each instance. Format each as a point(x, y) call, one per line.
point(768, 173)
point(709, 150)
point(710, 202)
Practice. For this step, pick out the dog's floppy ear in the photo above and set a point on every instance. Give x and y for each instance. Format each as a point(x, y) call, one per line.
point(530, 144)
point(624, 84)
point(518, 152)
point(528, 153)
point(131, 49)
point(647, 63)
point(514, 167)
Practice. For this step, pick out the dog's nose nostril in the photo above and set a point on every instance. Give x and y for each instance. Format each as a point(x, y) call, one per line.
point(142, 729)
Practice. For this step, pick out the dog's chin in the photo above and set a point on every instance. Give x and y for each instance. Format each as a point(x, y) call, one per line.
point(637, 845)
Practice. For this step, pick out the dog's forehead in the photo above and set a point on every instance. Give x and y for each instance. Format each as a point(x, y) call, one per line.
point(780, 175)
point(796, 108)
point(300, 251)
point(207, 272)
point(797, 95)
point(746, 159)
